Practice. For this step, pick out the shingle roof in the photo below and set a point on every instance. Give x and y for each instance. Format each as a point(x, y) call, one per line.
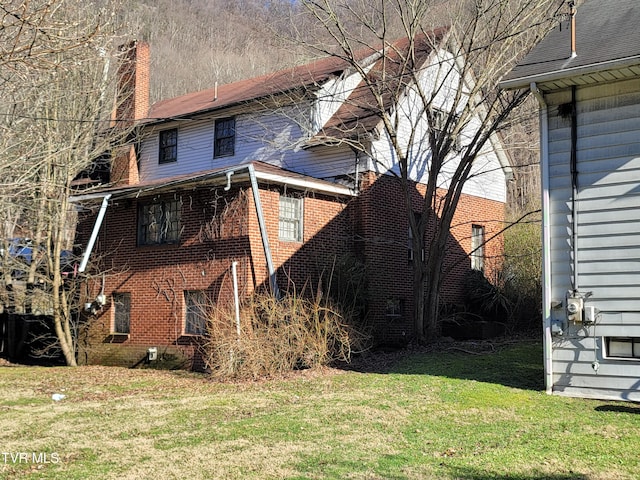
point(361, 113)
point(247, 90)
point(265, 173)
point(607, 38)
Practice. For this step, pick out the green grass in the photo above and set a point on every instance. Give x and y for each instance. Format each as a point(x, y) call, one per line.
point(440, 415)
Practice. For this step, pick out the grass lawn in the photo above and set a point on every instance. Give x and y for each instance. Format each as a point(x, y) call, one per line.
point(440, 415)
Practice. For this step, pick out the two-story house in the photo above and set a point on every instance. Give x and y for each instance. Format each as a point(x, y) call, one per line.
point(260, 181)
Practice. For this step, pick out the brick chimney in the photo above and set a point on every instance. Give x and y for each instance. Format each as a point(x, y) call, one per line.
point(132, 105)
point(133, 84)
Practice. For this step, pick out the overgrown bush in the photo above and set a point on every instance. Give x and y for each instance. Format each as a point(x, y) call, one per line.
point(279, 335)
point(522, 270)
point(486, 299)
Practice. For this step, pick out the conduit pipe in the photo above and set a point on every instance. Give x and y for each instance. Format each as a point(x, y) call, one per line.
point(94, 233)
point(236, 296)
point(574, 188)
point(546, 237)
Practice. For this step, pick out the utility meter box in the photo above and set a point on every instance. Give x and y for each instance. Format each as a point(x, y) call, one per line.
point(152, 354)
point(575, 308)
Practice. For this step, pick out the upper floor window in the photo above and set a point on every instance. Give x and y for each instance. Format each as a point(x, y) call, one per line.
point(225, 137)
point(290, 219)
point(439, 119)
point(159, 222)
point(168, 150)
point(477, 247)
point(121, 312)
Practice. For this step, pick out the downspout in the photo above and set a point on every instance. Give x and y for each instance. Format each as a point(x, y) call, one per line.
point(273, 282)
point(94, 233)
point(546, 238)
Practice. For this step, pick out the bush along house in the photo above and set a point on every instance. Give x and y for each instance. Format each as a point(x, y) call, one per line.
point(587, 80)
point(258, 184)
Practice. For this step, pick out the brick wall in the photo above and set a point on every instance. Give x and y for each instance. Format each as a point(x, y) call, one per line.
point(217, 228)
point(220, 227)
point(383, 244)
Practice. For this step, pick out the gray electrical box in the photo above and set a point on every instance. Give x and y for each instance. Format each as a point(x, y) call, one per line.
point(575, 308)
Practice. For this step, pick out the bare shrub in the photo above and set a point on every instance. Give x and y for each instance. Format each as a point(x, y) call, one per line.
point(279, 335)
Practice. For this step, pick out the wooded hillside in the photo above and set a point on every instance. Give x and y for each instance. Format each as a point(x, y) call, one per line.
point(195, 43)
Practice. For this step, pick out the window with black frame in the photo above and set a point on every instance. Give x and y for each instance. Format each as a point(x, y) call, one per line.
point(225, 137)
point(168, 148)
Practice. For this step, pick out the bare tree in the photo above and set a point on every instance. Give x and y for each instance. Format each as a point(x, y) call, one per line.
point(57, 84)
point(450, 74)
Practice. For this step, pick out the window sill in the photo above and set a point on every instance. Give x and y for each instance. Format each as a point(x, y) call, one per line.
point(117, 338)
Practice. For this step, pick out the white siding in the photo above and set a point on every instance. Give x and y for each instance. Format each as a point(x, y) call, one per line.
point(274, 138)
point(608, 235)
point(487, 179)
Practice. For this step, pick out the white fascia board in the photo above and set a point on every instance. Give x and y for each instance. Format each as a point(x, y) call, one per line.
point(306, 184)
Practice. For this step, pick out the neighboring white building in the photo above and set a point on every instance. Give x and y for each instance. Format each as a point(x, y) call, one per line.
point(589, 94)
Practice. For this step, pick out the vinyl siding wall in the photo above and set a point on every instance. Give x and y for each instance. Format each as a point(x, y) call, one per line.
point(607, 240)
point(271, 137)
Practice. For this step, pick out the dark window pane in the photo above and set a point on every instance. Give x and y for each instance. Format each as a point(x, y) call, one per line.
point(122, 312)
point(225, 137)
point(168, 151)
point(159, 222)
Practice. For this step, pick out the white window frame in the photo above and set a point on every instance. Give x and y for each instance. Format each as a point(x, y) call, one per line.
point(290, 218)
point(477, 247)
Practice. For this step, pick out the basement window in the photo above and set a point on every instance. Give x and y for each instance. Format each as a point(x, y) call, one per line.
point(121, 313)
point(195, 302)
point(394, 307)
point(622, 347)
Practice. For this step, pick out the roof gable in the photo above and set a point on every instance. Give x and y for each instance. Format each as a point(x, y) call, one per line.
point(388, 77)
point(607, 38)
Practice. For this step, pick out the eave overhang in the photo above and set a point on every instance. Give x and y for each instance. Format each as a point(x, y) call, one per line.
point(601, 72)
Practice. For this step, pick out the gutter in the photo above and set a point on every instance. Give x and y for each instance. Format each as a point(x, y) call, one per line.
point(306, 184)
point(566, 73)
point(546, 238)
